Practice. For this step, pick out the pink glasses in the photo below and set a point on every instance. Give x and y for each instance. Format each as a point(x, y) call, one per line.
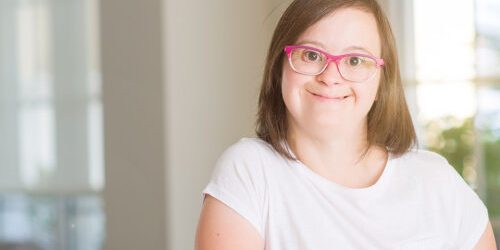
point(353, 67)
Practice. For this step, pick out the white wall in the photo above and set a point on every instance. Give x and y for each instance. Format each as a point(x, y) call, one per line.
point(180, 84)
point(132, 86)
point(214, 60)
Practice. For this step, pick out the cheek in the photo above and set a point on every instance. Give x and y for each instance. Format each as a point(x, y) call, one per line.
point(366, 92)
point(291, 84)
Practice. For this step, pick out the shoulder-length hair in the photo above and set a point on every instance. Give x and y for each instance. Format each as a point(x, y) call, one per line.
point(389, 121)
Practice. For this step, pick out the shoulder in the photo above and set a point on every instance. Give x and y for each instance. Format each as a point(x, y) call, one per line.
point(239, 180)
point(425, 163)
point(247, 155)
point(446, 193)
point(421, 156)
point(247, 148)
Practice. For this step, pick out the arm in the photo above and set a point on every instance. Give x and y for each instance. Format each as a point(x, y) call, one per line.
point(487, 240)
point(221, 228)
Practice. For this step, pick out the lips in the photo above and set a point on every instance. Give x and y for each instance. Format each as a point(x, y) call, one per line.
point(324, 96)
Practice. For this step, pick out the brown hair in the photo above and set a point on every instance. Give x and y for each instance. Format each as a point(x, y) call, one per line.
point(389, 121)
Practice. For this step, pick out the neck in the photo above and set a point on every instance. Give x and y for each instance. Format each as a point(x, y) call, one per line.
point(338, 149)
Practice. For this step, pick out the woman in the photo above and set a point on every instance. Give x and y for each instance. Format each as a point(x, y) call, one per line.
point(334, 167)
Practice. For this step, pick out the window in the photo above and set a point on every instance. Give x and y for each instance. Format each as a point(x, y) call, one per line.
point(51, 129)
point(457, 57)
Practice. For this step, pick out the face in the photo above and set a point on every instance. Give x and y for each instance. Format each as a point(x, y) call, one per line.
point(327, 100)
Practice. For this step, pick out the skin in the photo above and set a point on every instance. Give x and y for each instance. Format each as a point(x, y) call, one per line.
point(487, 240)
point(221, 228)
point(326, 135)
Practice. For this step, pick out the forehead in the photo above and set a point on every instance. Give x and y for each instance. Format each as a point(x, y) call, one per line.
point(342, 30)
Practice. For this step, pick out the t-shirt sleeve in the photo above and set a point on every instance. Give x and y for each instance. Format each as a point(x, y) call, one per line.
point(471, 215)
point(237, 181)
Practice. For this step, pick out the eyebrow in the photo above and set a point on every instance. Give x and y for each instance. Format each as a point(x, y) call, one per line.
point(319, 44)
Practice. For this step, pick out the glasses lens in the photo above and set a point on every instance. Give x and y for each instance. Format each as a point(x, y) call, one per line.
point(307, 61)
point(357, 68)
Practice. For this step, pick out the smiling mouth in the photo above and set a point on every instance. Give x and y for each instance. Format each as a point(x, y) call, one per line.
point(331, 98)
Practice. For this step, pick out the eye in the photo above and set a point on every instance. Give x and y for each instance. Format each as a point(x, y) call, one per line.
point(354, 60)
point(311, 56)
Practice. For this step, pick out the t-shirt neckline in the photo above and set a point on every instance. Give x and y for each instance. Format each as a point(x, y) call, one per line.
point(327, 183)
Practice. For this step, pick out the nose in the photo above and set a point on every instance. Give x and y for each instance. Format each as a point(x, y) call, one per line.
point(330, 75)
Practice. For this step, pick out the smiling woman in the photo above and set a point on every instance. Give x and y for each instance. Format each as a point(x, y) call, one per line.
point(334, 164)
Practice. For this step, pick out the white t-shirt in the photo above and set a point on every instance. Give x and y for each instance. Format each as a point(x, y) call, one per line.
point(419, 202)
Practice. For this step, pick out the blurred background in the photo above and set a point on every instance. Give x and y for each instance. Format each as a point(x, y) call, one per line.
point(113, 112)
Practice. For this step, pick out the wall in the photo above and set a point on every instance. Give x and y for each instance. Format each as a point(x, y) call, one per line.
point(214, 61)
point(132, 85)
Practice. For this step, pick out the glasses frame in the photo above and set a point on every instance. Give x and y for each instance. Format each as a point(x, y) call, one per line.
point(329, 58)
